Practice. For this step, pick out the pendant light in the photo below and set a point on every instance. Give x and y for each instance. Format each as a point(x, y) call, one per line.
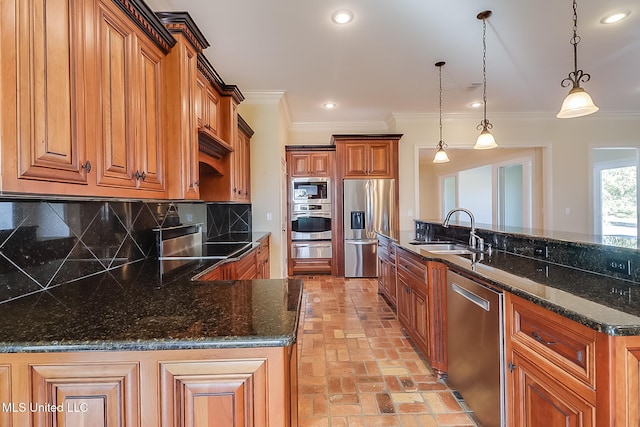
point(441, 154)
point(578, 103)
point(485, 140)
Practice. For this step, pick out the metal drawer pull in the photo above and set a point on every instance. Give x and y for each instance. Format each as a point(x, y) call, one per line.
point(538, 338)
point(479, 301)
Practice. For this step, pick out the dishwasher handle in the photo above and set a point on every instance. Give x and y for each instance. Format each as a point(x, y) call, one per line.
point(477, 300)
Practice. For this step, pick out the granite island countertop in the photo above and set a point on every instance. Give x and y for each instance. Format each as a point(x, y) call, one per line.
point(603, 303)
point(133, 308)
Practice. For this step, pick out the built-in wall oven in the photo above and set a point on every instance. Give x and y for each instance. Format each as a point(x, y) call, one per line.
point(311, 222)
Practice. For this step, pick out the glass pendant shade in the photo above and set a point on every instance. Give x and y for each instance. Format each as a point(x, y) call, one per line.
point(485, 141)
point(578, 103)
point(441, 155)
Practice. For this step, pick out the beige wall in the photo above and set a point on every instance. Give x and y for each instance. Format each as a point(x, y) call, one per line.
point(267, 117)
point(566, 172)
point(564, 201)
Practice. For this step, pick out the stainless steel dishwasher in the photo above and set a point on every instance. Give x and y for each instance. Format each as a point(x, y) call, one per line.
point(475, 333)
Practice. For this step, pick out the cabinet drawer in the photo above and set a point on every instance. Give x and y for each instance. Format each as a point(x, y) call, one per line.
point(411, 265)
point(559, 341)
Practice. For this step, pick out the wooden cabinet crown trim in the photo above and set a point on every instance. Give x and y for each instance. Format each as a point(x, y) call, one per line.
point(365, 137)
point(212, 76)
point(310, 148)
point(148, 22)
point(244, 127)
point(181, 22)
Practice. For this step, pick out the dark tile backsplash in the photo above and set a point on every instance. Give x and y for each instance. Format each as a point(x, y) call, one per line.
point(584, 256)
point(225, 218)
point(45, 243)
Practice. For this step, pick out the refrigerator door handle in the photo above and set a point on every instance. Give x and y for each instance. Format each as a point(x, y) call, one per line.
point(361, 242)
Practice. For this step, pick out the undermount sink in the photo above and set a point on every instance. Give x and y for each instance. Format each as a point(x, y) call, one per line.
point(446, 248)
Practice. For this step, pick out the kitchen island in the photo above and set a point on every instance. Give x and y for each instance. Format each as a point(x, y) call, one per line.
point(129, 348)
point(571, 336)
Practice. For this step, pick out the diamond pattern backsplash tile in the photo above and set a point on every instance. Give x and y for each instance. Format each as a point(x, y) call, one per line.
point(224, 218)
point(48, 243)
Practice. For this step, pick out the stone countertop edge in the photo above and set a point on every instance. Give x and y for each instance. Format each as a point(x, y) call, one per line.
point(149, 345)
point(589, 313)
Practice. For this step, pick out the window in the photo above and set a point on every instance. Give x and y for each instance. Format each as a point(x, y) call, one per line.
point(616, 172)
point(497, 194)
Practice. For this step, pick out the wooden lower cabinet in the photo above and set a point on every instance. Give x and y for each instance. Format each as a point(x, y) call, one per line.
point(5, 395)
point(263, 259)
point(539, 399)
point(231, 392)
point(254, 264)
point(84, 394)
point(558, 371)
point(626, 370)
point(233, 387)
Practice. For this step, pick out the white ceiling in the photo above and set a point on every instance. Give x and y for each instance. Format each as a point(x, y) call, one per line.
point(383, 62)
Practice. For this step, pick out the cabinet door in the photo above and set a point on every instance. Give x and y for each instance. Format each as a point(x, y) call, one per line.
point(404, 303)
point(150, 142)
point(541, 401)
point(211, 111)
point(116, 52)
point(43, 93)
point(379, 159)
point(88, 394)
point(189, 137)
point(5, 394)
point(299, 164)
point(225, 393)
point(420, 319)
point(355, 160)
point(320, 164)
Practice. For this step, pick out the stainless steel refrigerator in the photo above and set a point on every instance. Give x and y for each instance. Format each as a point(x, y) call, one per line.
point(369, 206)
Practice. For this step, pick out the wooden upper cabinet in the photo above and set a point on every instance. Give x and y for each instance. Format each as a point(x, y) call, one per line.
point(183, 102)
point(42, 104)
point(367, 156)
point(82, 98)
point(368, 159)
point(207, 108)
point(309, 164)
point(130, 152)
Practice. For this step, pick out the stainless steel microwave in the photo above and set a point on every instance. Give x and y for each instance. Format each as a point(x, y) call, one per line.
point(317, 190)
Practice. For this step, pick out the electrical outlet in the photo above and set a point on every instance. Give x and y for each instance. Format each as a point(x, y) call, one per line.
point(619, 265)
point(189, 217)
point(541, 251)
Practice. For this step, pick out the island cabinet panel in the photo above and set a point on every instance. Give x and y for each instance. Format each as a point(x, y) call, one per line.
point(437, 279)
point(626, 368)
point(130, 152)
point(42, 110)
point(5, 395)
point(387, 269)
point(551, 373)
point(541, 400)
point(233, 393)
point(221, 387)
point(85, 394)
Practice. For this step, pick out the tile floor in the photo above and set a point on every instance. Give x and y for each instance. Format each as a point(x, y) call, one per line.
point(358, 369)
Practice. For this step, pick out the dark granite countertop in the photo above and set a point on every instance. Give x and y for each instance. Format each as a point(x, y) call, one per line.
point(133, 308)
point(603, 303)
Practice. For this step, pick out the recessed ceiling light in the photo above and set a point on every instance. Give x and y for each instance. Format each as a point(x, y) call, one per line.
point(615, 17)
point(476, 104)
point(342, 16)
point(329, 105)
